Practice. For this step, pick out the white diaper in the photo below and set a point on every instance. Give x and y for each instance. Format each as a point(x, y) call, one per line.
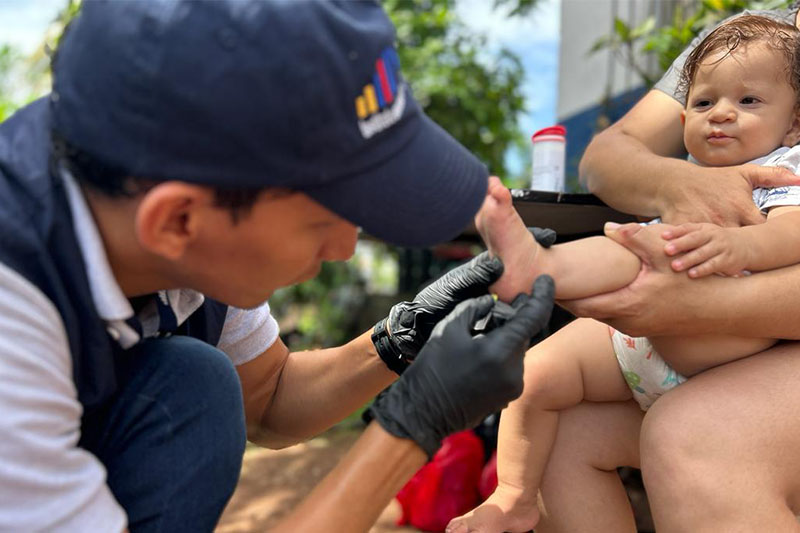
point(646, 373)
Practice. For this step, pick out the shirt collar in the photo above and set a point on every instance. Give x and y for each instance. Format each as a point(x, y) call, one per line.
point(110, 302)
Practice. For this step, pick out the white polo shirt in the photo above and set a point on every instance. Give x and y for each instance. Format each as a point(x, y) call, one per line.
point(48, 483)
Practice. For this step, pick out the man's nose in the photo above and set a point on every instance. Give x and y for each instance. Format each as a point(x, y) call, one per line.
point(342, 243)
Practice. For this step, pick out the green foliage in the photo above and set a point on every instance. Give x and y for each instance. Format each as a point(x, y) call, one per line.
point(9, 58)
point(25, 78)
point(472, 92)
point(321, 311)
point(666, 43)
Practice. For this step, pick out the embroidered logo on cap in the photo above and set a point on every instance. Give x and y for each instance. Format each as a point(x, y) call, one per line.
point(381, 102)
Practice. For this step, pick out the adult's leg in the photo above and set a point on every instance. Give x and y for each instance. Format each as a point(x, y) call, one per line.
point(172, 439)
point(581, 490)
point(722, 451)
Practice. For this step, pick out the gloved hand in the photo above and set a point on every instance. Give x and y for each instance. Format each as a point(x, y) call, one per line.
point(458, 379)
point(544, 236)
point(399, 337)
point(410, 323)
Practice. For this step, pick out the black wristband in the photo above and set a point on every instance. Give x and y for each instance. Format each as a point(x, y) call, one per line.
point(386, 349)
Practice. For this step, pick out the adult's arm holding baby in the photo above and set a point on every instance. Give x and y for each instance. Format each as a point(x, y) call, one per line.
point(655, 179)
point(662, 302)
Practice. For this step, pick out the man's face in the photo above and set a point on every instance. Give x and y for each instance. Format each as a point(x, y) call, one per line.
point(739, 108)
point(282, 241)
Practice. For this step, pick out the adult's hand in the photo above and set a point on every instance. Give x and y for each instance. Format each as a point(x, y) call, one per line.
point(721, 195)
point(458, 379)
point(399, 337)
point(650, 305)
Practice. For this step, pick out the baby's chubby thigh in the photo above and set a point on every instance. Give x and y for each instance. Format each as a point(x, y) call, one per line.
point(575, 363)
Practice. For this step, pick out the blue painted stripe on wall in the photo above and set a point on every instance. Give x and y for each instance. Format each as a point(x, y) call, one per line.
point(582, 126)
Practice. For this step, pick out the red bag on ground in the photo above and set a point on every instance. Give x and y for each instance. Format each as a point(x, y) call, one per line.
point(488, 481)
point(446, 487)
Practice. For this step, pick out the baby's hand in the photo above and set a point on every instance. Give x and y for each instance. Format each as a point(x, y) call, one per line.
point(707, 249)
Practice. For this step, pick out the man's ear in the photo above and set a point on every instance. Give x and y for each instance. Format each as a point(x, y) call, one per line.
point(167, 217)
point(792, 136)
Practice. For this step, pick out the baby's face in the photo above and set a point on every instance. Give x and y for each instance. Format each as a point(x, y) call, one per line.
point(740, 108)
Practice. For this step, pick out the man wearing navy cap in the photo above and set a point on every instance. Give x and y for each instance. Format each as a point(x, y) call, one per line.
point(192, 158)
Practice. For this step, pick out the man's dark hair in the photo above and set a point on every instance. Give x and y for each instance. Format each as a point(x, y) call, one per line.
point(780, 36)
point(115, 182)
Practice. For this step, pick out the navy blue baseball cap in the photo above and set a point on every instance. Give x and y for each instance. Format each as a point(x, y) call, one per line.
point(302, 94)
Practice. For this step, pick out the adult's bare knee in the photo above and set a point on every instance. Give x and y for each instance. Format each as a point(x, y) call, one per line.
point(678, 449)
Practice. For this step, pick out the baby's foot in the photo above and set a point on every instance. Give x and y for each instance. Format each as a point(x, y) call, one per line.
point(504, 511)
point(506, 236)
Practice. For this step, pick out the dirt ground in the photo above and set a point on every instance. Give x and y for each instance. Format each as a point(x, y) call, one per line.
point(274, 481)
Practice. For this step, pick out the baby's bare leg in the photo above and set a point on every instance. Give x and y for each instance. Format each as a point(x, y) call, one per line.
point(581, 490)
point(580, 268)
point(577, 363)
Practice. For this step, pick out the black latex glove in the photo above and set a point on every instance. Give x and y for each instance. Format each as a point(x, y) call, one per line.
point(544, 236)
point(458, 378)
point(410, 323)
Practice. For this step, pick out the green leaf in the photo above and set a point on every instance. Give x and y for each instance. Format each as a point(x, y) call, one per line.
point(622, 30)
point(644, 28)
point(606, 41)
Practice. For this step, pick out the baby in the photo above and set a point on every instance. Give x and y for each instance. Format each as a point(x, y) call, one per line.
point(743, 105)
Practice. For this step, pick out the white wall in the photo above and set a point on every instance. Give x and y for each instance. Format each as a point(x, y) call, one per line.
point(583, 78)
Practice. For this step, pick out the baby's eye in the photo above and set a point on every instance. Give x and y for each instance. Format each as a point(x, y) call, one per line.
point(749, 100)
point(701, 104)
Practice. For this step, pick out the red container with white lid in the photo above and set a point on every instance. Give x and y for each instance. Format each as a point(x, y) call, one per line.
point(549, 153)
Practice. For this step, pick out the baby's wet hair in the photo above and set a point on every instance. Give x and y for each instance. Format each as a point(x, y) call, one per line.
point(782, 37)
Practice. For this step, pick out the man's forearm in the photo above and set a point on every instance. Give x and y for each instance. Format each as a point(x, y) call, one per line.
point(319, 388)
point(353, 495)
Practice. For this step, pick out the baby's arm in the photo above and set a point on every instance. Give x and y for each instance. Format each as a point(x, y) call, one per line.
point(709, 249)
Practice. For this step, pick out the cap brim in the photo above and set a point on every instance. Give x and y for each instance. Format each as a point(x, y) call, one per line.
point(426, 193)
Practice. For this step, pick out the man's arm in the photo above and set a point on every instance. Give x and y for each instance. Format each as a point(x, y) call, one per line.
point(354, 494)
point(292, 396)
point(456, 380)
point(663, 302)
point(653, 181)
point(47, 482)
